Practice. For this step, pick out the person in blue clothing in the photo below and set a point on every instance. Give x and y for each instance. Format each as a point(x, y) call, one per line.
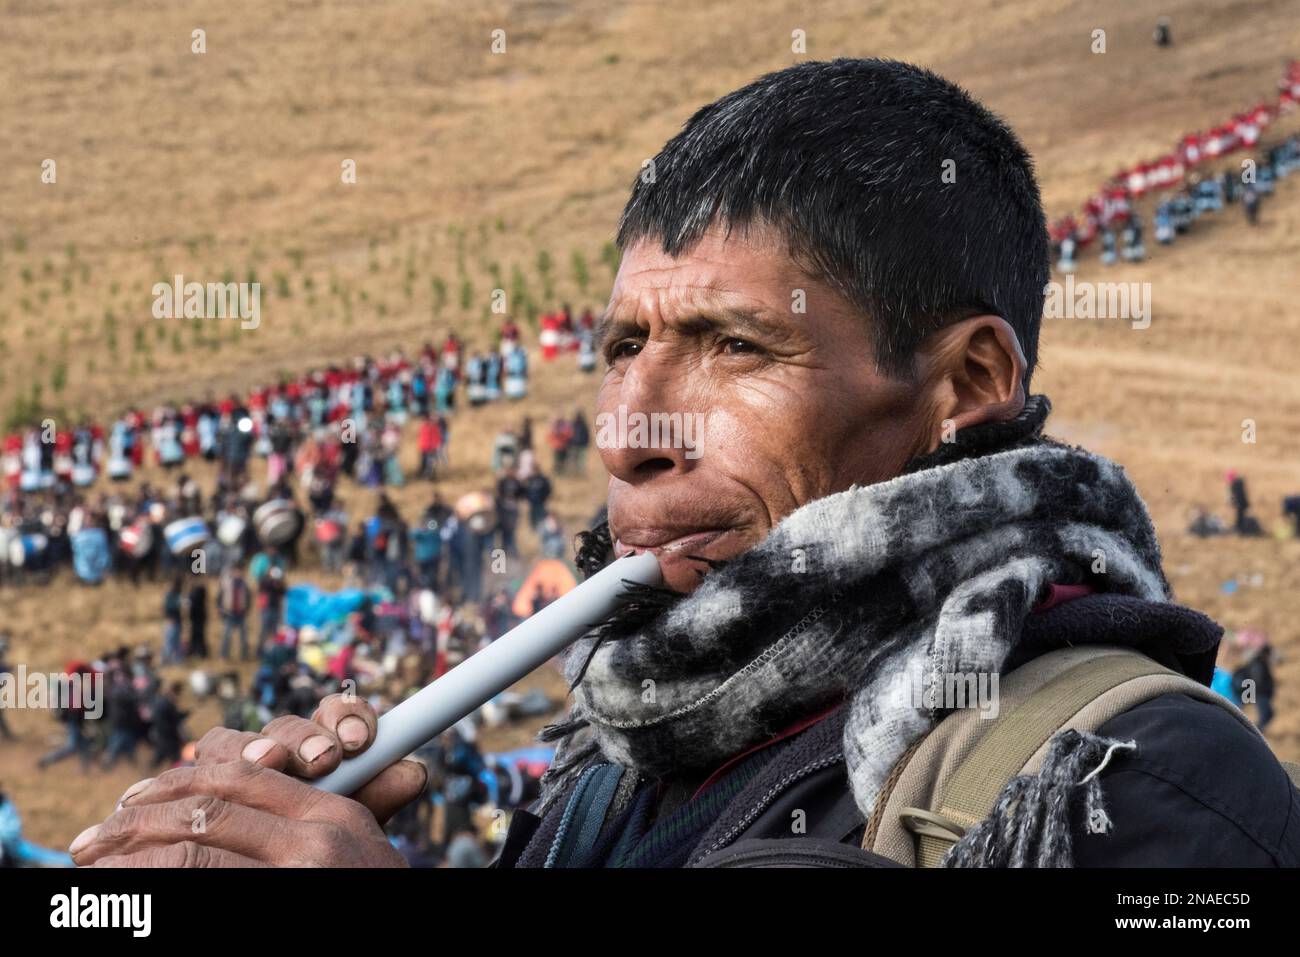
point(173, 612)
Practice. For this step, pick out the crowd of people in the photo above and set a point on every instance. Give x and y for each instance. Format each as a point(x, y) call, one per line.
point(342, 421)
point(560, 332)
point(1185, 184)
point(347, 417)
point(416, 593)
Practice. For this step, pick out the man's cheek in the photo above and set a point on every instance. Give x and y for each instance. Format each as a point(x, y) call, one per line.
point(744, 433)
point(607, 394)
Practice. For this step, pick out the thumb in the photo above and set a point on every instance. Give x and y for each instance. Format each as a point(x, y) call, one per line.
point(396, 786)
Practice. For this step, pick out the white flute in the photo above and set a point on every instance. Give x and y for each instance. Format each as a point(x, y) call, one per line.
point(532, 643)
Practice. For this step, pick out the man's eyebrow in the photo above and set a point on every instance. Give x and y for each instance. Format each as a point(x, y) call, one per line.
point(739, 320)
point(608, 328)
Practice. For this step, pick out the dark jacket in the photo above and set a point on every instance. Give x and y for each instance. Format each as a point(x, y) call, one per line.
point(1201, 791)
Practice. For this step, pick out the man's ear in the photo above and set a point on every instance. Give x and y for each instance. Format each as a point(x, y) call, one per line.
point(974, 371)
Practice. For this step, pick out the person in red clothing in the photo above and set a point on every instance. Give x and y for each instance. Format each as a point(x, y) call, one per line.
point(559, 436)
point(550, 335)
point(63, 439)
point(135, 422)
point(429, 440)
point(13, 459)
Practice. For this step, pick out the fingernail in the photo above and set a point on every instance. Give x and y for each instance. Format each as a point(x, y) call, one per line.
point(352, 731)
point(254, 751)
point(133, 790)
point(424, 771)
point(82, 840)
point(314, 747)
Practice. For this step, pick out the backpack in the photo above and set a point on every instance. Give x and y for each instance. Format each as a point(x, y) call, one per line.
point(949, 780)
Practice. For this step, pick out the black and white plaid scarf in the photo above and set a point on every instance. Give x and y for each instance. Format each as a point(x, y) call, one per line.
point(932, 572)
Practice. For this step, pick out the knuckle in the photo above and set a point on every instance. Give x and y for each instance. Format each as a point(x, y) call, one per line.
point(208, 808)
point(285, 725)
point(192, 854)
point(236, 773)
point(354, 818)
point(323, 845)
point(340, 705)
point(176, 780)
point(119, 827)
point(210, 742)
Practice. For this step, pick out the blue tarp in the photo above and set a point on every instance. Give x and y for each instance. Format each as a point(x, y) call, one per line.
point(530, 755)
point(21, 851)
point(90, 555)
point(309, 605)
point(1224, 685)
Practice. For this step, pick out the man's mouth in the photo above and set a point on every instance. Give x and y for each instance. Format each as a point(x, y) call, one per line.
point(664, 542)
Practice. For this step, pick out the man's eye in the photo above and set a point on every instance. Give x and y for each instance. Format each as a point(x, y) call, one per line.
point(625, 349)
point(740, 347)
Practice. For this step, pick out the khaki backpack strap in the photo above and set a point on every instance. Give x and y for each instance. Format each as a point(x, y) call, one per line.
point(1292, 771)
point(1014, 739)
point(951, 779)
point(918, 778)
point(886, 790)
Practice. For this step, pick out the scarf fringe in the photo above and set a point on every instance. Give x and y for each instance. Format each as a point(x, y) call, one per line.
point(1030, 822)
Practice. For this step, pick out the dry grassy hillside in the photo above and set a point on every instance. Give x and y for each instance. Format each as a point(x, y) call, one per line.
point(479, 170)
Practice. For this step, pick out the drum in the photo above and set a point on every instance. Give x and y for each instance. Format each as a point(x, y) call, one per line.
point(90, 556)
point(137, 538)
point(278, 522)
point(119, 468)
point(170, 451)
point(478, 511)
point(27, 549)
point(516, 387)
point(550, 342)
point(231, 530)
point(186, 534)
point(83, 474)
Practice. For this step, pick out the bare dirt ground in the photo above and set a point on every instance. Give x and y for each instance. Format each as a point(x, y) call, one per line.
point(478, 170)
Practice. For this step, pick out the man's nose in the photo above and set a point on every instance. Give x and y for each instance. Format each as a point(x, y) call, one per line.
point(643, 431)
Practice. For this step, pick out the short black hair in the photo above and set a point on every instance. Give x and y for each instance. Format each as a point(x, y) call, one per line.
point(846, 158)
